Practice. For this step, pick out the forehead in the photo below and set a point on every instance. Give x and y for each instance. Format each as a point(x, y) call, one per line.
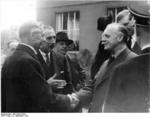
point(111, 29)
point(49, 32)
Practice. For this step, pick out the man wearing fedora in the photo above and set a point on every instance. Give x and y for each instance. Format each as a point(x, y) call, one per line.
point(62, 41)
point(61, 46)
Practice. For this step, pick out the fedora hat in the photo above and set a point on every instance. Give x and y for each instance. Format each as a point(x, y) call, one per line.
point(141, 12)
point(62, 36)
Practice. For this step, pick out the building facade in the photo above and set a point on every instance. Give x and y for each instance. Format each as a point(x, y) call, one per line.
point(79, 19)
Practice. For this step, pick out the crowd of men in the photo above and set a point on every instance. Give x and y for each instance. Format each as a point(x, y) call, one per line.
point(39, 76)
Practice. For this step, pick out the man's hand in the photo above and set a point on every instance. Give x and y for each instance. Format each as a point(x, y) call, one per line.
point(56, 83)
point(51, 80)
point(74, 100)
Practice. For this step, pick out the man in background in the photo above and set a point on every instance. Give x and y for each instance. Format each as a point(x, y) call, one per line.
point(53, 63)
point(127, 19)
point(61, 46)
point(62, 42)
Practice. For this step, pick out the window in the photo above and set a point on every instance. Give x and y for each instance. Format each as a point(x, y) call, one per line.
point(114, 11)
point(69, 22)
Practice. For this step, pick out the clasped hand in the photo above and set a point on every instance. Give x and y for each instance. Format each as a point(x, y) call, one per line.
point(74, 101)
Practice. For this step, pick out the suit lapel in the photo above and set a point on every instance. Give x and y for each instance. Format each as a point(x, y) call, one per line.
point(105, 70)
point(100, 73)
point(24, 48)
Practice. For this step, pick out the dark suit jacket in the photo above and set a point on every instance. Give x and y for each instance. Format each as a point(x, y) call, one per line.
point(78, 77)
point(58, 63)
point(24, 88)
point(129, 88)
point(102, 79)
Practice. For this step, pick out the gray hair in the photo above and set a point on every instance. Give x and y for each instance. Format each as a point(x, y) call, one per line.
point(121, 28)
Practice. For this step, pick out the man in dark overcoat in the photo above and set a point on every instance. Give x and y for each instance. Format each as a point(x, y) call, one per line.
point(24, 88)
point(129, 89)
point(114, 39)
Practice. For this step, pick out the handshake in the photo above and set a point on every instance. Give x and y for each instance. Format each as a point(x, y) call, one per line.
point(74, 101)
point(59, 84)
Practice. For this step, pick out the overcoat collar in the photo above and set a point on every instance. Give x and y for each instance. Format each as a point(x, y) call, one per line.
point(27, 49)
point(105, 70)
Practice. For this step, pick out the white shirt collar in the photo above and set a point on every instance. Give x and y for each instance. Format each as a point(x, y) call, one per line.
point(44, 54)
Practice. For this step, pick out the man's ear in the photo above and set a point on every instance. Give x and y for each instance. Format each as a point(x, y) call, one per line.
point(120, 37)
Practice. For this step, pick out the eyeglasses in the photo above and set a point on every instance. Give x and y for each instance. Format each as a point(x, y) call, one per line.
point(51, 37)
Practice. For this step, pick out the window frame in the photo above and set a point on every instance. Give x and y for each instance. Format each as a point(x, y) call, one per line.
point(116, 11)
point(74, 32)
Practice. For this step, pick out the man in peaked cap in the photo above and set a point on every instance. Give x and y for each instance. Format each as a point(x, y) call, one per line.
point(141, 12)
point(138, 11)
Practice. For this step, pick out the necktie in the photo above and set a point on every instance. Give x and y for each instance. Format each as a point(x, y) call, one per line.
point(47, 59)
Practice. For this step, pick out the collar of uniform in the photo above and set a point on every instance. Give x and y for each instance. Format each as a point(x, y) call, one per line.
point(133, 40)
point(29, 47)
